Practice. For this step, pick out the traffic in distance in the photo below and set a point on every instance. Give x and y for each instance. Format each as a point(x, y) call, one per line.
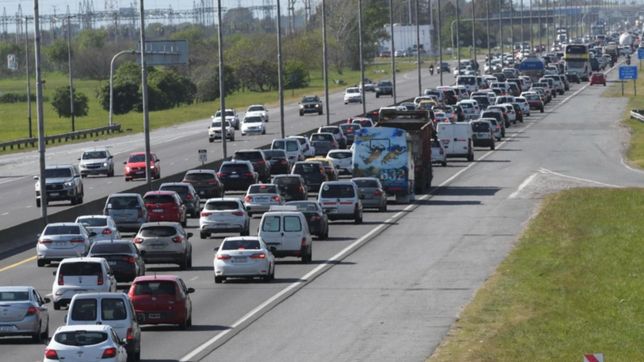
point(294, 191)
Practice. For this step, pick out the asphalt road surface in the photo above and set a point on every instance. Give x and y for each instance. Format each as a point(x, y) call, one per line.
point(388, 289)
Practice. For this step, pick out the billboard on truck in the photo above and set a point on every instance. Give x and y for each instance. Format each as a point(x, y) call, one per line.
point(533, 67)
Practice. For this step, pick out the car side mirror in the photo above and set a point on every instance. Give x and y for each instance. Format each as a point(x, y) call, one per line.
point(46, 300)
point(361, 196)
point(123, 341)
point(190, 290)
point(65, 319)
point(216, 248)
point(36, 178)
point(125, 162)
point(79, 159)
point(190, 235)
point(273, 249)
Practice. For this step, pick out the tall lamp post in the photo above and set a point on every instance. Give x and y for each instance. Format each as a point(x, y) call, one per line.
point(501, 29)
point(458, 40)
point(69, 70)
point(325, 65)
point(473, 32)
point(393, 55)
point(420, 84)
point(440, 45)
point(360, 45)
point(144, 98)
point(40, 115)
point(489, 50)
point(31, 135)
point(280, 68)
point(531, 29)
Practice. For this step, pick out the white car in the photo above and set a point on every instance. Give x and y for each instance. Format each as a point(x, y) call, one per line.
point(287, 233)
point(341, 200)
point(259, 109)
point(231, 116)
point(260, 197)
point(83, 343)
point(103, 225)
point(342, 160)
point(214, 131)
point(307, 148)
point(523, 103)
point(81, 275)
point(223, 215)
point(62, 240)
point(96, 162)
point(439, 155)
point(352, 95)
point(243, 257)
point(253, 124)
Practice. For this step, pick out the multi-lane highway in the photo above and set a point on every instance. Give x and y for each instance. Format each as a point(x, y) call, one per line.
point(387, 289)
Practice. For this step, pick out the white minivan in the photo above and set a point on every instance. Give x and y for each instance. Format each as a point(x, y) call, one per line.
point(291, 147)
point(457, 139)
point(286, 233)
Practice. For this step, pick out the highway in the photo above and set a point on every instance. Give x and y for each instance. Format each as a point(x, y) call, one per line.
point(388, 289)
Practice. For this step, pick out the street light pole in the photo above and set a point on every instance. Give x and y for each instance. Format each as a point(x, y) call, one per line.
point(222, 83)
point(31, 135)
point(420, 84)
point(393, 55)
point(458, 41)
point(522, 28)
point(69, 68)
point(440, 45)
point(360, 45)
point(473, 32)
point(531, 29)
point(489, 50)
point(511, 26)
point(111, 110)
point(40, 115)
point(501, 30)
point(280, 68)
point(144, 97)
point(325, 64)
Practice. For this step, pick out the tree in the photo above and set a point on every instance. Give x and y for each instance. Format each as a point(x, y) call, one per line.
point(208, 83)
point(56, 55)
point(296, 75)
point(60, 102)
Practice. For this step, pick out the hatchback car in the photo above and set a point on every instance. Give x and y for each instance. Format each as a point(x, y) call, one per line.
point(164, 242)
point(349, 130)
point(253, 124)
point(341, 200)
point(278, 161)
point(258, 109)
point(122, 257)
point(205, 182)
point(315, 217)
point(496, 127)
point(482, 133)
point(256, 157)
point(260, 197)
point(23, 313)
point(223, 215)
point(162, 299)
point(112, 309)
point(439, 155)
point(371, 193)
point(237, 175)
point(103, 226)
point(85, 343)
point(243, 257)
point(96, 162)
point(291, 187)
point(135, 166)
point(127, 209)
point(312, 172)
point(81, 275)
point(286, 233)
point(165, 206)
point(331, 171)
point(62, 240)
point(342, 160)
point(323, 143)
point(598, 78)
point(337, 134)
point(188, 195)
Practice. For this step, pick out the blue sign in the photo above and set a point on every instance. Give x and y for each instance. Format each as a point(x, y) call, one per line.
point(640, 53)
point(627, 72)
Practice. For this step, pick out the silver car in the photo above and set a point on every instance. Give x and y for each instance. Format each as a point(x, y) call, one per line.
point(127, 209)
point(104, 227)
point(260, 197)
point(164, 242)
point(223, 215)
point(96, 162)
point(243, 257)
point(23, 313)
point(439, 154)
point(62, 240)
point(371, 193)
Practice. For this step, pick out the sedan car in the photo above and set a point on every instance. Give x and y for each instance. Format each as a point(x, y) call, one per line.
point(223, 215)
point(312, 172)
point(162, 299)
point(371, 193)
point(214, 130)
point(102, 225)
point(243, 257)
point(316, 218)
point(23, 313)
point(259, 110)
point(252, 124)
point(122, 257)
point(260, 197)
point(598, 78)
point(135, 166)
point(85, 343)
point(62, 240)
point(291, 187)
point(164, 242)
point(352, 94)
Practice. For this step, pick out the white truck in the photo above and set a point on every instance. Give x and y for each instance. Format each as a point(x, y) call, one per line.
point(456, 138)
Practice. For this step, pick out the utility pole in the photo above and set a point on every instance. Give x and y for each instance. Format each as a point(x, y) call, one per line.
point(489, 50)
point(41, 121)
point(360, 45)
point(144, 97)
point(222, 83)
point(539, 29)
point(325, 64)
point(522, 28)
point(501, 30)
point(280, 68)
point(458, 41)
point(31, 135)
point(440, 45)
point(531, 29)
point(69, 68)
point(393, 56)
point(420, 83)
point(511, 26)
point(473, 32)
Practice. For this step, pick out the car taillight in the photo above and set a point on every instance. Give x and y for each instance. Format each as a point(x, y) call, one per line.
point(303, 242)
point(315, 218)
point(99, 279)
point(212, 182)
point(284, 162)
point(109, 353)
point(140, 212)
point(238, 213)
point(32, 310)
point(107, 231)
point(77, 240)
point(130, 260)
point(188, 197)
point(248, 198)
point(138, 240)
point(248, 174)
point(61, 280)
point(51, 353)
point(221, 174)
point(301, 188)
point(378, 192)
point(261, 162)
point(44, 241)
point(130, 334)
point(440, 151)
point(223, 257)
point(205, 213)
point(276, 198)
point(177, 239)
point(258, 256)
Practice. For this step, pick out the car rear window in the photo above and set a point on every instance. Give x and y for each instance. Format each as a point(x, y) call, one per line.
point(13, 296)
point(113, 309)
point(274, 154)
point(80, 338)
point(350, 128)
point(84, 310)
point(306, 168)
point(248, 156)
point(136, 158)
point(80, 268)
point(62, 230)
point(329, 129)
point(182, 190)
point(262, 189)
point(236, 244)
point(271, 223)
point(367, 183)
point(340, 155)
point(221, 205)
point(292, 223)
point(292, 146)
point(122, 202)
point(93, 221)
point(158, 231)
point(111, 248)
point(234, 167)
point(305, 206)
point(287, 181)
point(337, 191)
point(480, 127)
point(158, 199)
point(154, 288)
point(320, 137)
point(199, 176)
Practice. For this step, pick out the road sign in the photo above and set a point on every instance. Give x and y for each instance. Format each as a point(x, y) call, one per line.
point(594, 357)
point(165, 52)
point(640, 53)
point(627, 72)
point(203, 156)
point(12, 63)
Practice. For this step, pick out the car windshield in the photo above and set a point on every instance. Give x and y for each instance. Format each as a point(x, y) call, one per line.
point(262, 189)
point(240, 244)
point(286, 181)
point(321, 137)
point(154, 288)
point(80, 338)
point(353, 90)
point(304, 206)
point(93, 221)
point(292, 146)
point(253, 120)
point(234, 167)
point(466, 80)
point(329, 129)
point(13, 296)
point(228, 113)
point(217, 124)
point(366, 183)
point(309, 99)
point(384, 84)
point(80, 268)
point(58, 172)
point(124, 202)
point(136, 158)
point(90, 155)
point(158, 199)
point(199, 176)
point(62, 230)
point(111, 248)
point(480, 127)
point(158, 231)
point(340, 155)
point(337, 191)
point(350, 128)
point(255, 108)
point(221, 205)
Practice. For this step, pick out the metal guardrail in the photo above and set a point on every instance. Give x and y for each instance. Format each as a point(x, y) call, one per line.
point(33, 142)
point(638, 114)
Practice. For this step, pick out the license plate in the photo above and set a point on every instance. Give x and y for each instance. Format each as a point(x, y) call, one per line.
point(54, 194)
point(157, 210)
point(234, 176)
point(154, 315)
point(7, 328)
point(261, 199)
point(140, 172)
point(157, 246)
point(239, 259)
point(111, 262)
point(202, 192)
point(60, 243)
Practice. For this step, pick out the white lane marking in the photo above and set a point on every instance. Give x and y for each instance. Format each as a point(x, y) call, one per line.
point(4, 213)
point(29, 206)
point(525, 183)
point(194, 278)
point(629, 166)
point(545, 170)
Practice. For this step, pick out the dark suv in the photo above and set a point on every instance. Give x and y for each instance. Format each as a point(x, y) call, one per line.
point(205, 182)
point(312, 172)
point(311, 104)
point(237, 175)
point(384, 87)
point(188, 195)
point(256, 157)
point(278, 161)
point(291, 187)
point(62, 182)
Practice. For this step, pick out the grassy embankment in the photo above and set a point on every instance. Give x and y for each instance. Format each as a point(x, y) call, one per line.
point(572, 285)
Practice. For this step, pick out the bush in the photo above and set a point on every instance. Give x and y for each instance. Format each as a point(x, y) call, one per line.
point(296, 75)
point(62, 105)
point(18, 98)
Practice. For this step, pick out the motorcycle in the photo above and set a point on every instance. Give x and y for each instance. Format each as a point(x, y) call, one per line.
point(431, 70)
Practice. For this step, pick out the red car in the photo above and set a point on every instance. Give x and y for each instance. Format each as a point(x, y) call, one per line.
point(165, 206)
point(162, 299)
point(598, 78)
point(135, 166)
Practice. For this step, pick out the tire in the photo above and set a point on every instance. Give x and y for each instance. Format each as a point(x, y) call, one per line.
point(320, 113)
point(110, 173)
point(190, 261)
point(211, 140)
point(56, 306)
point(377, 95)
point(183, 264)
point(37, 337)
point(218, 280)
point(383, 208)
point(470, 157)
point(492, 146)
point(204, 235)
point(83, 175)
point(541, 109)
point(357, 217)
point(41, 263)
point(307, 256)
point(444, 163)
point(301, 114)
point(245, 231)
point(37, 202)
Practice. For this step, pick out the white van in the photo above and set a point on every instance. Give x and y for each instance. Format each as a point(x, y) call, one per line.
point(341, 200)
point(457, 139)
point(81, 275)
point(286, 233)
point(291, 147)
point(468, 81)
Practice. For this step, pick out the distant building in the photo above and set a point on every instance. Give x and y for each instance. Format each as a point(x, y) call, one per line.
point(405, 39)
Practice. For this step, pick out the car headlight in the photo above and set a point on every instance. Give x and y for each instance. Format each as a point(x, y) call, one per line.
point(127, 168)
point(104, 164)
point(69, 184)
point(301, 106)
point(151, 166)
point(37, 186)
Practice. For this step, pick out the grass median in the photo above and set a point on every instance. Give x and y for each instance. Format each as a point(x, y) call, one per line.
point(572, 285)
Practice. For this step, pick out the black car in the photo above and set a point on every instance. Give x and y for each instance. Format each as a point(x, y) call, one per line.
point(316, 218)
point(278, 161)
point(188, 195)
point(291, 187)
point(256, 157)
point(205, 182)
point(122, 256)
point(311, 104)
point(312, 172)
point(237, 175)
point(384, 88)
point(444, 67)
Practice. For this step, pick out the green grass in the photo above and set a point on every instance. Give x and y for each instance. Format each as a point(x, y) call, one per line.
point(572, 285)
point(13, 117)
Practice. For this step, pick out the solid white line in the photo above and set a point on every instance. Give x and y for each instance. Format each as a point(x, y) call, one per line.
point(525, 183)
point(4, 214)
point(545, 170)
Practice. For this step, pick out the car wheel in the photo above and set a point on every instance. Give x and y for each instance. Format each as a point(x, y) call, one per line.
point(83, 175)
point(218, 280)
point(470, 157)
point(383, 208)
point(492, 146)
point(127, 179)
point(211, 140)
point(184, 222)
point(357, 218)
point(444, 163)
point(37, 337)
point(307, 255)
point(110, 173)
point(40, 262)
point(56, 305)
point(190, 261)
point(541, 109)
point(183, 264)
point(301, 114)
point(204, 235)
point(377, 95)
point(37, 202)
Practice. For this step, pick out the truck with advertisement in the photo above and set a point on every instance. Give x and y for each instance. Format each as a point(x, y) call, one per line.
point(397, 151)
point(577, 59)
point(533, 67)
